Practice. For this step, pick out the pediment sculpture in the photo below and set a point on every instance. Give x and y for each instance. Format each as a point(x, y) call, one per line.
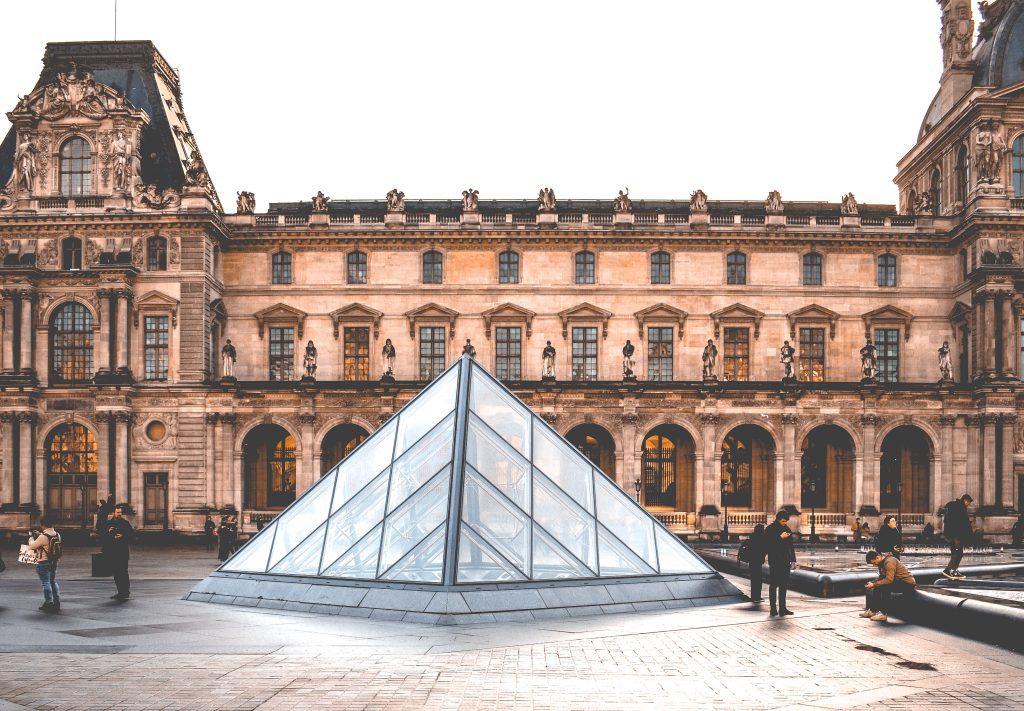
point(149, 196)
point(70, 93)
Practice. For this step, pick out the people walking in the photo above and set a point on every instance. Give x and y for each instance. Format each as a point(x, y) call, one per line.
point(48, 547)
point(227, 532)
point(209, 532)
point(893, 577)
point(118, 535)
point(889, 538)
point(956, 527)
point(778, 541)
point(755, 556)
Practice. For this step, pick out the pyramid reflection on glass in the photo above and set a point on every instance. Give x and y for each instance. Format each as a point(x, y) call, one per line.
point(464, 491)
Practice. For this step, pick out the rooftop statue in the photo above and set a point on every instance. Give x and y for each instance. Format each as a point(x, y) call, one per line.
point(470, 200)
point(246, 203)
point(396, 200)
point(773, 203)
point(195, 172)
point(698, 201)
point(546, 200)
point(320, 201)
point(149, 196)
point(957, 33)
point(622, 204)
point(849, 205)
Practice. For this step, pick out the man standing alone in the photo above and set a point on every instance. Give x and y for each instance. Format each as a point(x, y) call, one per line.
point(118, 535)
point(956, 527)
point(781, 559)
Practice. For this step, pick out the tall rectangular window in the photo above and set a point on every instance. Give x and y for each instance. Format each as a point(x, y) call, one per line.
point(584, 353)
point(508, 268)
point(887, 270)
point(432, 342)
point(812, 355)
point(812, 269)
point(661, 268)
point(281, 272)
point(357, 354)
point(282, 353)
point(737, 354)
point(736, 268)
point(156, 336)
point(433, 270)
point(585, 268)
point(508, 343)
point(356, 262)
point(659, 354)
point(887, 352)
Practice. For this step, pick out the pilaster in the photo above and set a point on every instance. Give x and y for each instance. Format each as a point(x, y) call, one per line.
point(26, 459)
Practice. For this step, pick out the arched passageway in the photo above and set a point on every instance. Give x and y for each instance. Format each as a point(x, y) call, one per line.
point(72, 463)
point(826, 470)
point(268, 456)
point(748, 469)
point(905, 470)
point(596, 444)
point(338, 444)
point(668, 469)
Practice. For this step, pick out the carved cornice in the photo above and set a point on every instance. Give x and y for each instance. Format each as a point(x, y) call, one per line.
point(585, 312)
point(432, 312)
point(356, 312)
point(813, 313)
point(888, 314)
point(947, 420)
point(307, 418)
point(509, 312)
point(660, 313)
point(737, 313)
point(280, 314)
point(710, 419)
point(788, 418)
point(870, 420)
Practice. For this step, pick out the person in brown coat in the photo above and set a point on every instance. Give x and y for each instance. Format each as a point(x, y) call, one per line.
point(893, 576)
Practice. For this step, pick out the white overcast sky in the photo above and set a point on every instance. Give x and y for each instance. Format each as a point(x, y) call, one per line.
point(811, 97)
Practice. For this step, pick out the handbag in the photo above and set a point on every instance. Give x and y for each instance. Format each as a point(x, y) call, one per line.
point(27, 555)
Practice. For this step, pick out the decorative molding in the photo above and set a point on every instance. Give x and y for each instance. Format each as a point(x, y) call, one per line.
point(712, 419)
point(788, 418)
point(307, 418)
point(888, 315)
point(737, 313)
point(509, 312)
point(356, 312)
point(585, 312)
point(156, 301)
point(280, 314)
point(947, 420)
point(432, 312)
point(549, 417)
point(870, 420)
point(813, 313)
point(660, 313)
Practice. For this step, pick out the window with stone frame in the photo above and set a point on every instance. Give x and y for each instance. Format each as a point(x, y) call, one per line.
point(736, 360)
point(75, 168)
point(156, 347)
point(812, 355)
point(660, 355)
point(156, 254)
point(937, 191)
point(584, 353)
point(887, 354)
point(661, 268)
point(508, 267)
point(585, 267)
point(812, 271)
point(433, 340)
point(963, 176)
point(282, 353)
point(71, 344)
point(508, 350)
point(433, 269)
point(281, 268)
point(356, 272)
point(71, 253)
point(1017, 166)
point(356, 364)
point(736, 268)
point(886, 268)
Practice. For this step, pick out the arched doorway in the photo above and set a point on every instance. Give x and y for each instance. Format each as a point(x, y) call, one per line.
point(905, 469)
point(72, 462)
point(268, 454)
point(826, 470)
point(748, 469)
point(596, 444)
point(338, 444)
point(668, 464)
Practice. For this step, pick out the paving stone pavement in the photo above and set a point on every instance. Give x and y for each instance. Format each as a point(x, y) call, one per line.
point(159, 652)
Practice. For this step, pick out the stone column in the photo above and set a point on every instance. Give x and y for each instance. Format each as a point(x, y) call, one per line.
point(103, 344)
point(8, 332)
point(626, 457)
point(304, 477)
point(26, 333)
point(710, 478)
point(26, 459)
point(980, 335)
point(231, 473)
point(103, 473)
point(989, 422)
point(790, 463)
point(1005, 490)
point(212, 450)
point(122, 424)
point(123, 336)
point(1011, 334)
point(7, 453)
point(942, 481)
point(974, 479)
point(870, 490)
point(990, 344)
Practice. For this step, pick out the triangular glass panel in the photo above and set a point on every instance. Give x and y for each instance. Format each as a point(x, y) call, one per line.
point(551, 561)
point(420, 462)
point(567, 523)
point(368, 460)
point(478, 564)
point(360, 561)
point(563, 465)
point(617, 559)
point(424, 563)
point(304, 560)
point(675, 557)
point(496, 520)
point(252, 558)
point(357, 517)
point(427, 409)
point(503, 467)
point(502, 412)
point(298, 520)
point(422, 513)
point(623, 517)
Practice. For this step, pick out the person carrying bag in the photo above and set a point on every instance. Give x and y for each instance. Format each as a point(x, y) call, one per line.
point(48, 549)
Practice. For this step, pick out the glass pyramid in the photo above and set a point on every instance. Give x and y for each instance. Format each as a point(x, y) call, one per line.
point(465, 485)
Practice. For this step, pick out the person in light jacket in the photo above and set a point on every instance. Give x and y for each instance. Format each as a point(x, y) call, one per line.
point(46, 569)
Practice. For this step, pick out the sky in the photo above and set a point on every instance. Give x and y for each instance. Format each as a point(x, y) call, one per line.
point(814, 98)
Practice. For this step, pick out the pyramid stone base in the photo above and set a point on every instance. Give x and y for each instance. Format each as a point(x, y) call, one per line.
point(466, 604)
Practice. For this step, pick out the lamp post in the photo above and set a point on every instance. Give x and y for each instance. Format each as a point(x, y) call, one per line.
point(636, 485)
point(899, 503)
point(814, 501)
point(725, 524)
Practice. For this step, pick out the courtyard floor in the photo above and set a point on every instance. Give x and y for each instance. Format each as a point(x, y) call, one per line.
point(159, 652)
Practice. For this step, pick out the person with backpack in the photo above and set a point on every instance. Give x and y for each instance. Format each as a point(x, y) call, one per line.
point(117, 535)
point(209, 532)
point(778, 542)
point(752, 552)
point(956, 527)
point(49, 549)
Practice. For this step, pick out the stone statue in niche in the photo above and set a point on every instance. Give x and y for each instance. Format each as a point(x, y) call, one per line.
point(945, 363)
point(548, 357)
point(246, 203)
point(546, 200)
point(868, 361)
point(849, 205)
point(470, 200)
point(698, 201)
point(25, 166)
point(195, 172)
point(228, 356)
point(320, 201)
point(957, 33)
point(709, 359)
point(309, 361)
point(387, 354)
point(924, 205)
point(468, 349)
point(990, 148)
point(622, 204)
point(773, 203)
point(396, 200)
point(787, 356)
point(122, 157)
point(628, 364)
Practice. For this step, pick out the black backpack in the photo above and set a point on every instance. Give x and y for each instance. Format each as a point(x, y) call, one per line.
point(54, 547)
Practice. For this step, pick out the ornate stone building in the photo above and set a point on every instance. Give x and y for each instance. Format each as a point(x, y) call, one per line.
point(156, 342)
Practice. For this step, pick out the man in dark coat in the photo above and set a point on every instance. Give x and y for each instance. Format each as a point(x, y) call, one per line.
point(956, 527)
point(754, 555)
point(778, 543)
point(227, 533)
point(118, 535)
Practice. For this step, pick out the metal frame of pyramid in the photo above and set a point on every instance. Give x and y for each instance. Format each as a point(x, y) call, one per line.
point(465, 507)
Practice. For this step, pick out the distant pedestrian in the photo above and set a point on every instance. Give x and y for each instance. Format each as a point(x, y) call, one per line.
point(753, 552)
point(865, 531)
point(956, 527)
point(227, 532)
point(893, 577)
point(1017, 532)
point(781, 559)
point(118, 536)
point(855, 529)
point(209, 532)
point(48, 547)
point(889, 538)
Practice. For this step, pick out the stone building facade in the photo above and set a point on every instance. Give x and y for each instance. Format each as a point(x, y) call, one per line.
point(155, 341)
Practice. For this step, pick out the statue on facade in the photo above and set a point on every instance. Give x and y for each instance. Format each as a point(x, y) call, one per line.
point(708, 360)
point(868, 361)
point(309, 361)
point(149, 196)
point(787, 355)
point(228, 356)
point(773, 203)
point(628, 364)
point(387, 354)
point(396, 200)
point(470, 200)
point(548, 356)
point(246, 203)
point(622, 205)
point(320, 201)
point(945, 363)
point(925, 205)
point(698, 201)
point(25, 164)
point(469, 350)
point(546, 200)
point(849, 205)
point(195, 172)
point(957, 33)
point(990, 148)
point(122, 162)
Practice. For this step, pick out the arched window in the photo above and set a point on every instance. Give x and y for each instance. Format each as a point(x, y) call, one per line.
point(585, 268)
point(433, 272)
point(963, 176)
point(72, 467)
point(71, 253)
point(356, 267)
point(1018, 166)
point(661, 268)
point(912, 202)
point(508, 267)
point(964, 266)
point(736, 268)
point(75, 167)
point(812, 269)
point(887, 270)
point(281, 272)
point(936, 192)
point(156, 254)
point(71, 344)
point(659, 465)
